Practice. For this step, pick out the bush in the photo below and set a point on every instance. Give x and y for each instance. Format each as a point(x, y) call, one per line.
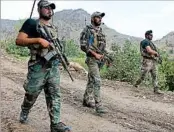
point(126, 67)
point(73, 53)
point(17, 50)
point(126, 63)
point(73, 50)
point(11, 48)
point(166, 74)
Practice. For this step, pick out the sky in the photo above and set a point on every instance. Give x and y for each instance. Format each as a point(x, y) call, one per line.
point(126, 17)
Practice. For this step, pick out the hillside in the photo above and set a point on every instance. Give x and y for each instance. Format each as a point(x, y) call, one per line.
point(71, 22)
point(167, 43)
point(129, 109)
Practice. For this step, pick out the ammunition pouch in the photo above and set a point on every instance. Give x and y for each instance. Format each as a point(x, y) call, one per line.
point(50, 55)
point(101, 41)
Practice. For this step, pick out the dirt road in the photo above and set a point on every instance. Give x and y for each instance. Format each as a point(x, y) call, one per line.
point(129, 109)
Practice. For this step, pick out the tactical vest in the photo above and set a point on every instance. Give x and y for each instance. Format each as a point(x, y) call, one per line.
point(144, 53)
point(99, 39)
point(37, 51)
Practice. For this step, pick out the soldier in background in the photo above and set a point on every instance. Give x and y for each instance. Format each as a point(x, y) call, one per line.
point(149, 53)
point(92, 36)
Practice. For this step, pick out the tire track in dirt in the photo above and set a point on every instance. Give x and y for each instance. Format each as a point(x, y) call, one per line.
point(12, 95)
point(141, 121)
point(128, 111)
point(111, 108)
point(38, 121)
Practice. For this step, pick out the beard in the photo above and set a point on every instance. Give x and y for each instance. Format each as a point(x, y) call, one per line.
point(97, 23)
point(150, 38)
point(46, 17)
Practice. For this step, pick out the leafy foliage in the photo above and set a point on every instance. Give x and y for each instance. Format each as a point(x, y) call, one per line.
point(73, 50)
point(166, 74)
point(126, 65)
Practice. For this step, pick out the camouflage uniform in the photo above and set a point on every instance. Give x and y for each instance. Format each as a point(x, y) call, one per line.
point(92, 35)
point(148, 64)
point(42, 75)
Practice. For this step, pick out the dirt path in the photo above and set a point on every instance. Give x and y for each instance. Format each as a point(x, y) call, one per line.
point(129, 109)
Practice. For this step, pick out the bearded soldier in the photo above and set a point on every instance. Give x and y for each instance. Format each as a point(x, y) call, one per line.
point(149, 53)
point(42, 74)
point(92, 39)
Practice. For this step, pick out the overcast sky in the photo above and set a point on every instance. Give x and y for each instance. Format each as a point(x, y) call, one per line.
point(127, 17)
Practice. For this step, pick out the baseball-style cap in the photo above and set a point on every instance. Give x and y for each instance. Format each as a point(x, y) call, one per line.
point(44, 3)
point(149, 32)
point(97, 14)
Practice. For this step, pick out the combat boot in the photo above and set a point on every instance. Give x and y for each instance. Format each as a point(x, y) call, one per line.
point(60, 127)
point(137, 83)
point(99, 109)
point(23, 117)
point(156, 90)
point(89, 104)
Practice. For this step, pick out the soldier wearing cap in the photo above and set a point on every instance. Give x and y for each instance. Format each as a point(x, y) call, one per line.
point(148, 52)
point(42, 74)
point(93, 35)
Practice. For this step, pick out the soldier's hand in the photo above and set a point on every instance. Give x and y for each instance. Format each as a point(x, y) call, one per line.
point(157, 55)
point(44, 43)
point(99, 57)
point(108, 64)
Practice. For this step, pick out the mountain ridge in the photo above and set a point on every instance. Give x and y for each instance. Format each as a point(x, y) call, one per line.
point(71, 22)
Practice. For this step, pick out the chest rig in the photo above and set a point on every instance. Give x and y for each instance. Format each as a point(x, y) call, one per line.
point(99, 38)
point(37, 51)
point(144, 53)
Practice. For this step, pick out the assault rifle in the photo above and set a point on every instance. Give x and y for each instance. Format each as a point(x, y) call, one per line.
point(106, 57)
point(56, 43)
point(91, 46)
point(158, 59)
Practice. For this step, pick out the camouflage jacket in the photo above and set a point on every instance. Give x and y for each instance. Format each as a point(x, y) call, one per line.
point(92, 36)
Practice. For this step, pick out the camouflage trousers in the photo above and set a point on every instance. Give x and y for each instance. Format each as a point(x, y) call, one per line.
point(92, 92)
point(148, 65)
point(39, 78)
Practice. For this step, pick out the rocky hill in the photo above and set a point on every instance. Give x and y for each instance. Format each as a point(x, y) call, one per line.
point(167, 43)
point(167, 40)
point(71, 22)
